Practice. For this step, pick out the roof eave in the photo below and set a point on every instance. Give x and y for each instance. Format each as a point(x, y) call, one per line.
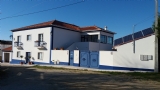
point(90, 30)
point(65, 28)
point(14, 30)
point(108, 31)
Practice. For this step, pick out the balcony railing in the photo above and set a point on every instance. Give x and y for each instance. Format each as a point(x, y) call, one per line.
point(40, 44)
point(18, 44)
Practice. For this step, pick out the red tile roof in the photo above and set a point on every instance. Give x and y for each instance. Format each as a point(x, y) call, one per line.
point(66, 25)
point(59, 24)
point(8, 49)
point(49, 23)
point(90, 28)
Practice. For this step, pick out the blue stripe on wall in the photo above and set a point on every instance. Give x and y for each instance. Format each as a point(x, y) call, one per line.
point(63, 63)
point(76, 64)
point(15, 61)
point(123, 68)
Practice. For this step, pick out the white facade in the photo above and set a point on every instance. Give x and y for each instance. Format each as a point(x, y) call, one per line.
point(64, 38)
point(60, 56)
point(124, 56)
point(29, 46)
point(106, 58)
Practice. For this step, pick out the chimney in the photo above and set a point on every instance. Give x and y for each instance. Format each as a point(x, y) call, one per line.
point(105, 27)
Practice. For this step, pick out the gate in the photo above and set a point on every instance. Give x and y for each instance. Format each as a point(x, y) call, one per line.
point(94, 59)
point(89, 59)
point(84, 59)
point(71, 58)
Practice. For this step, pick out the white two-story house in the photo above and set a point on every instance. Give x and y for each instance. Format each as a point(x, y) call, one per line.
point(37, 41)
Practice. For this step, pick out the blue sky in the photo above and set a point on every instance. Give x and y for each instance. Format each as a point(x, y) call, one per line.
point(118, 15)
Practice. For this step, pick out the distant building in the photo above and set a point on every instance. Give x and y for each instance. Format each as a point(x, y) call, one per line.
point(4, 44)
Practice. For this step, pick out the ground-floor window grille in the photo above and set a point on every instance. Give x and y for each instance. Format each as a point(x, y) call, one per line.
point(18, 54)
point(146, 57)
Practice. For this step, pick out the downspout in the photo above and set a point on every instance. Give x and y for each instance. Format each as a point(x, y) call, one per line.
point(99, 39)
point(51, 42)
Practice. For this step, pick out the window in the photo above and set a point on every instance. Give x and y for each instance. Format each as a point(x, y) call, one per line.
point(28, 37)
point(89, 38)
point(103, 39)
point(82, 38)
point(40, 37)
point(18, 54)
point(94, 38)
point(18, 38)
point(146, 57)
point(40, 56)
point(110, 40)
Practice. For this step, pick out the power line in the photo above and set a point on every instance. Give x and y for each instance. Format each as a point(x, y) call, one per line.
point(30, 7)
point(42, 10)
point(149, 17)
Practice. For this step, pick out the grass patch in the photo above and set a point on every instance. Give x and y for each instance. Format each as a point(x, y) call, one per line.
point(56, 68)
point(137, 75)
point(47, 67)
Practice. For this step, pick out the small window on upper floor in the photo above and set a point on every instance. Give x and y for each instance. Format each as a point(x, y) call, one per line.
point(28, 37)
point(18, 38)
point(103, 39)
point(110, 40)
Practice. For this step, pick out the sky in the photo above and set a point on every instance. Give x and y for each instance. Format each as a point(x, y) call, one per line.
point(118, 15)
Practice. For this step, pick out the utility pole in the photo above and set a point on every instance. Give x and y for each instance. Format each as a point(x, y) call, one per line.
point(133, 38)
point(156, 65)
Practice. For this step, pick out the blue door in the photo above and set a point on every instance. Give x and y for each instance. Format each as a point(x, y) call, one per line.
point(84, 59)
point(94, 59)
point(71, 58)
point(28, 54)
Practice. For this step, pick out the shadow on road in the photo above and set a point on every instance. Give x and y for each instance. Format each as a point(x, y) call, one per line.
point(27, 78)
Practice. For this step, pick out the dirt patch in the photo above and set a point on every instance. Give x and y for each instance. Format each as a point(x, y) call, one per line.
point(29, 78)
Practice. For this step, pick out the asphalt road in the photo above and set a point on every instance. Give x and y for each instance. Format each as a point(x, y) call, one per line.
point(29, 78)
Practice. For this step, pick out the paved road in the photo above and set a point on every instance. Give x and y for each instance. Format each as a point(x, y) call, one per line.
point(28, 78)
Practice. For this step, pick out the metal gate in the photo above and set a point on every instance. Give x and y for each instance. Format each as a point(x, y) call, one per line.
point(94, 59)
point(84, 59)
point(71, 58)
point(89, 59)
